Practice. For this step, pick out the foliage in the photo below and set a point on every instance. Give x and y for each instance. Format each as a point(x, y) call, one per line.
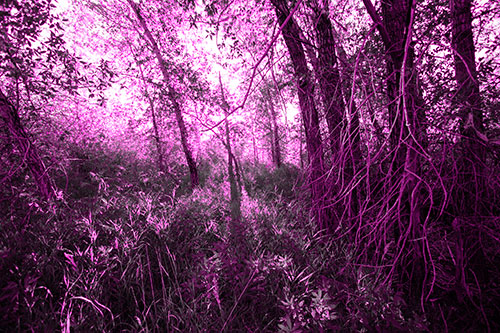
point(35, 57)
point(135, 257)
point(277, 182)
point(127, 244)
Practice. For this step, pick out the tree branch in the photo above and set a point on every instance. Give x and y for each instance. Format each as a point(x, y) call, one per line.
point(378, 22)
point(254, 70)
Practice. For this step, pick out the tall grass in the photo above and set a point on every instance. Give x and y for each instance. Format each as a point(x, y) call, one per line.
point(136, 257)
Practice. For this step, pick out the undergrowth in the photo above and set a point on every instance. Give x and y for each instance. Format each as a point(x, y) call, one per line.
point(122, 247)
point(121, 253)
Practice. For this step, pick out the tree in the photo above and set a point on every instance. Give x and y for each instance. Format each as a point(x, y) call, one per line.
point(332, 85)
point(328, 75)
point(156, 131)
point(468, 100)
point(319, 191)
point(16, 133)
point(276, 147)
point(172, 95)
point(266, 109)
point(404, 178)
point(470, 192)
point(32, 71)
point(231, 160)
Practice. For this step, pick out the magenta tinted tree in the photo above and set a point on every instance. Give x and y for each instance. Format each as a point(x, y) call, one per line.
point(171, 93)
point(319, 191)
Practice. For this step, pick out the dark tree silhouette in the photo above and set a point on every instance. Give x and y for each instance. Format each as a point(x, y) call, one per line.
point(328, 75)
point(319, 191)
point(342, 121)
point(467, 99)
point(403, 179)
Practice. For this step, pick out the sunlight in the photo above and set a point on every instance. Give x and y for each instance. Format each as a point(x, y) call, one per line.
point(249, 166)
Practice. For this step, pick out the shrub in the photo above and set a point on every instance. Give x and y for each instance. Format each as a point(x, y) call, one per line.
point(273, 183)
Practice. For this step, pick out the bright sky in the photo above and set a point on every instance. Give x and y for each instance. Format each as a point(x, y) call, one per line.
point(207, 59)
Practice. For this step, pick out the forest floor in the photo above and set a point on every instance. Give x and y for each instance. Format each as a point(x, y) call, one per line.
point(127, 251)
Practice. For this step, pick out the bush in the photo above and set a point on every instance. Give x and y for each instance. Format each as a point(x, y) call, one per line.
point(278, 182)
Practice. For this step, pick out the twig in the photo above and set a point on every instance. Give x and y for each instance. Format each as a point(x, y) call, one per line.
point(254, 70)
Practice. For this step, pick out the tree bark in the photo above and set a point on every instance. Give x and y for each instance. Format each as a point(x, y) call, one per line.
point(468, 100)
point(235, 195)
point(254, 145)
point(172, 95)
point(402, 95)
point(471, 190)
point(159, 149)
point(465, 66)
point(404, 174)
point(334, 89)
point(329, 77)
point(319, 192)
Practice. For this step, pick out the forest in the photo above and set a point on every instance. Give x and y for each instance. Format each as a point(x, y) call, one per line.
point(249, 166)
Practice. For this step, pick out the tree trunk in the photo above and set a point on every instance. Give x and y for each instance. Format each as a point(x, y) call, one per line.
point(254, 145)
point(404, 174)
point(231, 164)
point(471, 190)
point(395, 14)
point(10, 119)
point(193, 171)
point(237, 229)
point(172, 95)
point(235, 195)
point(333, 88)
point(275, 132)
point(347, 82)
point(402, 95)
point(161, 165)
point(319, 191)
point(468, 100)
point(301, 149)
point(465, 66)
point(156, 131)
point(329, 77)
